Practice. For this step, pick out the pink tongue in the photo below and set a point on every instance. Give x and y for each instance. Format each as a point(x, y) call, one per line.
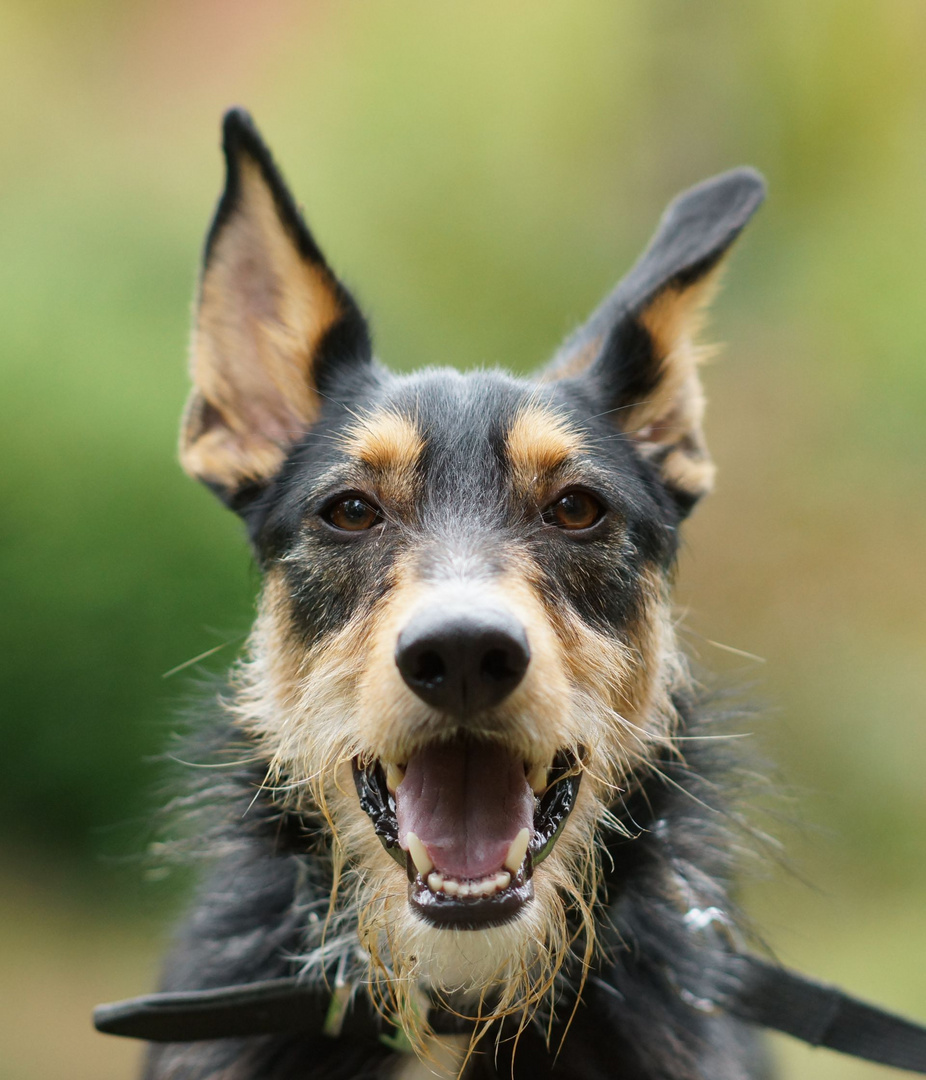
point(465, 802)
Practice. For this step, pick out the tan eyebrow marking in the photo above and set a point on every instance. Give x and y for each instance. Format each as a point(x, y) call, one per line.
point(539, 441)
point(385, 440)
point(390, 445)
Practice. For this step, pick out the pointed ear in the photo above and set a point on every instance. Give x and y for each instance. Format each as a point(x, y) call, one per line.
point(272, 324)
point(638, 350)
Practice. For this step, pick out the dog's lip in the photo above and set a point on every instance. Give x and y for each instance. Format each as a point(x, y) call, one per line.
point(552, 807)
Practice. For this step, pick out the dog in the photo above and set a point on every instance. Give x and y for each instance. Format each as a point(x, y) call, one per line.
point(463, 760)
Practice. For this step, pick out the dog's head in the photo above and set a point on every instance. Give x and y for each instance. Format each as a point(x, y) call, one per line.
point(464, 654)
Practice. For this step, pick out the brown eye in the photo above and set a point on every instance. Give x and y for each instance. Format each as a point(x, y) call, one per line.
point(352, 515)
point(574, 510)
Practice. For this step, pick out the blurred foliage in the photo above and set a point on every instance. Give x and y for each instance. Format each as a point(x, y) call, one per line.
point(480, 174)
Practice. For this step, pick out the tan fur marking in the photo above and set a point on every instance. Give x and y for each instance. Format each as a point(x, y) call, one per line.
point(673, 414)
point(263, 311)
point(677, 314)
point(385, 440)
point(673, 321)
point(390, 445)
point(692, 475)
point(539, 441)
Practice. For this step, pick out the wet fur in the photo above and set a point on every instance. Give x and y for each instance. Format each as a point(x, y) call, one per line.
point(601, 974)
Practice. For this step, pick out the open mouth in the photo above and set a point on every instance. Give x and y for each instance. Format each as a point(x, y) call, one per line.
point(468, 821)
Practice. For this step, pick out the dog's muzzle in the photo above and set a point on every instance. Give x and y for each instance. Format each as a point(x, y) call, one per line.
point(467, 816)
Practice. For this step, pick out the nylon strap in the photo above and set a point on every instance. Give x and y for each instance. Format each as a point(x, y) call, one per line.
point(260, 1008)
point(825, 1016)
point(759, 992)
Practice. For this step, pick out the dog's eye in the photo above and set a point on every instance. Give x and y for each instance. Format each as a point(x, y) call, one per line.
point(574, 510)
point(352, 514)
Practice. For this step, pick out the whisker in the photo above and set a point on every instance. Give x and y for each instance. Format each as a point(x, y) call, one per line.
point(202, 656)
point(214, 764)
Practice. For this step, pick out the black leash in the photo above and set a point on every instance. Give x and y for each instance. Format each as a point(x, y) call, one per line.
point(761, 993)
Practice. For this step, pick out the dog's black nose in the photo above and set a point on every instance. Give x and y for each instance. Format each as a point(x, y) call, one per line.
point(462, 660)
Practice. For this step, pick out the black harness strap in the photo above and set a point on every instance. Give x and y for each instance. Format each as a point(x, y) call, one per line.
point(760, 993)
point(260, 1008)
point(825, 1016)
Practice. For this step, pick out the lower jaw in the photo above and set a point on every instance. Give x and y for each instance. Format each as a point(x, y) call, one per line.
point(473, 912)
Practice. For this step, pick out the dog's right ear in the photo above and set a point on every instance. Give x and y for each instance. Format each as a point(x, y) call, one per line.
point(272, 323)
point(637, 356)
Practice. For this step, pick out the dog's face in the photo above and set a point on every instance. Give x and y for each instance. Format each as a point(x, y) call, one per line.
point(464, 654)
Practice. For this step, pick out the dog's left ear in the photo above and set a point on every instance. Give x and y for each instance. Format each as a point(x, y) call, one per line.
point(637, 354)
point(273, 327)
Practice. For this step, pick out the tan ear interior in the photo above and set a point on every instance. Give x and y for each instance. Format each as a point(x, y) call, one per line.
point(263, 310)
point(668, 424)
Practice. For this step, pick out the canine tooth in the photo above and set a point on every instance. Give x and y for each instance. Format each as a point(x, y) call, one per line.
point(435, 881)
point(502, 880)
point(451, 887)
point(395, 774)
point(537, 778)
point(516, 852)
point(423, 864)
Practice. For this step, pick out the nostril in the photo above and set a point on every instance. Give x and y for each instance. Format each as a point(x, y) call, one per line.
point(496, 666)
point(428, 669)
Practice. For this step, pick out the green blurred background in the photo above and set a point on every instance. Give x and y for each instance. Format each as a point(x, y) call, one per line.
point(480, 173)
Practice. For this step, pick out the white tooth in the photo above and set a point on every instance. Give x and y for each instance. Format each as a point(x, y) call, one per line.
point(451, 887)
point(435, 881)
point(488, 886)
point(465, 889)
point(502, 880)
point(395, 774)
point(423, 864)
point(516, 852)
point(537, 778)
